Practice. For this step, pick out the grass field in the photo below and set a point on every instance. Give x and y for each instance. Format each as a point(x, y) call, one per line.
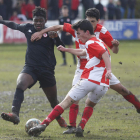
point(113, 118)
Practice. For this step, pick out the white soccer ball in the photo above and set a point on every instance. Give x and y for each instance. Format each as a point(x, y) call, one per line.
point(32, 123)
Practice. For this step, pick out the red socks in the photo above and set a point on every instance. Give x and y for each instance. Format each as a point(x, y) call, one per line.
point(86, 115)
point(133, 99)
point(57, 111)
point(74, 108)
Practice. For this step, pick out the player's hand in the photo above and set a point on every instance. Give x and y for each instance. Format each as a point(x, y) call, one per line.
point(61, 48)
point(115, 43)
point(108, 75)
point(52, 34)
point(67, 33)
point(36, 36)
point(1, 17)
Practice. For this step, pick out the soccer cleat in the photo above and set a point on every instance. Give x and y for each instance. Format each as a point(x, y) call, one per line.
point(61, 122)
point(79, 132)
point(10, 117)
point(37, 129)
point(70, 130)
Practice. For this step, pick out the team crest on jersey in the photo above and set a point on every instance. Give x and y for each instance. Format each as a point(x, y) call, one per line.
point(45, 35)
point(68, 20)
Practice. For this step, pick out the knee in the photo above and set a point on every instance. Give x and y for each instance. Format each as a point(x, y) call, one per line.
point(21, 85)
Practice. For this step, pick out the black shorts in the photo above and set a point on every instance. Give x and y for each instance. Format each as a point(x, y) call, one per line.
point(67, 40)
point(45, 76)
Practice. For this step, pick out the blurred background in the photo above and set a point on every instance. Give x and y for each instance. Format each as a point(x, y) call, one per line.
point(120, 17)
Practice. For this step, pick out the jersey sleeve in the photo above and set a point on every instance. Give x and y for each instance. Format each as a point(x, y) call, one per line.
point(96, 50)
point(107, 38)
point(68, 28)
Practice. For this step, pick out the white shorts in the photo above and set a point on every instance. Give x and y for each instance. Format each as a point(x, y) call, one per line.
point(83, 87)
point(78, 73)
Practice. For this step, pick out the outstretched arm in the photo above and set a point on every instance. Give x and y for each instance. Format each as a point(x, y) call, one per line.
point(78, 52)
point(36, 36)
point(115, 47)
point(12, 25)
point(106, 59)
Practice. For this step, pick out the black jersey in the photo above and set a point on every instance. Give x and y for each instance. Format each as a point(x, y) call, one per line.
point(63, 20)
point(39, 53)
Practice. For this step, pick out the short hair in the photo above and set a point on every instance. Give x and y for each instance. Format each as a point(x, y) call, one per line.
point(93, 13)
point(83, 25)
point(38, 11)
point(64, 7)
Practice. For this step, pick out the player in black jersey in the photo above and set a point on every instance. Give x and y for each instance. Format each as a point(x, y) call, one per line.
point(39, 64)
point(65, 36)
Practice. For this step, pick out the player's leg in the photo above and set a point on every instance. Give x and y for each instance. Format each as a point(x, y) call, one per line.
point(56, 112)
point(64, 59)
point(74, 108)
point(74, 57)
point(93, 98)
point(51, 94)
point(118, 87)
point(24, 80)
point(76, 93)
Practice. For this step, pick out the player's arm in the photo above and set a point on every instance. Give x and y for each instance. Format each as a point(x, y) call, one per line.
point(12, 25)
point(54, 35)
point(78, 52)
point(106, 59)
point(36, 36)
point(115, 48)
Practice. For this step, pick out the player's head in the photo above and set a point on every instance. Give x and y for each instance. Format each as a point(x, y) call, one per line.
point(93, 15)
point(65, 11)
point(39, 18)
point(84, 30)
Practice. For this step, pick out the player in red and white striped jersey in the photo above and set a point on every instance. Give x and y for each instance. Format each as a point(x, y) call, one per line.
point(92, 15)
point(98, 65)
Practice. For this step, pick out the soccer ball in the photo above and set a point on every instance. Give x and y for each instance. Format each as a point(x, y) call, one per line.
point(32, 123)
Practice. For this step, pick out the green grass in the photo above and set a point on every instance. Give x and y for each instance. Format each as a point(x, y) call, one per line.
point(113, 117)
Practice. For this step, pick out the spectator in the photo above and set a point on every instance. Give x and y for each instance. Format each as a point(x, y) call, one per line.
point(74, 8)
point(118, 10)
point(131, 8)
point(53, 12)
point(8, 4)
point(123, 7)
point(87, 4)
point(14, 17)
point(111, 10)
point(100, 7)
point(68, 4)
point(66, 37)
point(29, 8)
point(37, 2)
point(3, 9)
point(44, 4)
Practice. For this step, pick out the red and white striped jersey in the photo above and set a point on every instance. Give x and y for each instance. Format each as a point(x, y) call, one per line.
point(100, 32)
point(95, 69)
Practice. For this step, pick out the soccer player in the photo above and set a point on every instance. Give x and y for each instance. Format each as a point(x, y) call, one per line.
point(94, 79)
point(39, 65)
point(65, 36)
point(101, 32)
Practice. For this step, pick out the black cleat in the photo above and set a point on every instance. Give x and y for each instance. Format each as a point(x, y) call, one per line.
point(79, 132)
point(70, 130)
point(10, 117)
point(37, 129)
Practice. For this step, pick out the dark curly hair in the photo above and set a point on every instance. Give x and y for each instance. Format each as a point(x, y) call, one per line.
point(38, 11)
point(93, 13)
